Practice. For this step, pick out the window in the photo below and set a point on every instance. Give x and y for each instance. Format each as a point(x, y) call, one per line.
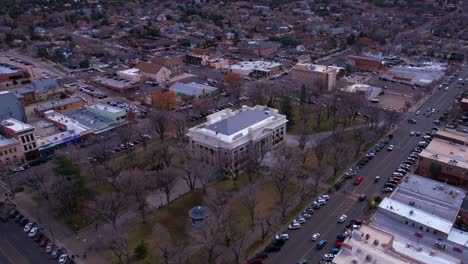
point(25, 148)
point(406, 222)
point(23, 140)
point(412, 224)
point(421, 228)
point(34, 145)
point(11, 150)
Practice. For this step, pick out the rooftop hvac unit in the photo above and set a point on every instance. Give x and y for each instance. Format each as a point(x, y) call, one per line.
point(411, 212)
point(376, 242)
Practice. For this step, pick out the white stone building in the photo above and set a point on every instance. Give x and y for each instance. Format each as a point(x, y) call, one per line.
point(229, 137)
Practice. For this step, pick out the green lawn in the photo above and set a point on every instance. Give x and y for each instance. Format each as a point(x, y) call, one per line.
point(173, 218)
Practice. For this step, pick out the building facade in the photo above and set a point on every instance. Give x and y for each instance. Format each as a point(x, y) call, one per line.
point(229, 138)
point(367, 63)
point(58, 105)
point(257, 48)
point(173, 63)
point(445, 161)
point(24, 133)
point(153, 71)
point(11, 152)
point(324, 76)
point(113, 113)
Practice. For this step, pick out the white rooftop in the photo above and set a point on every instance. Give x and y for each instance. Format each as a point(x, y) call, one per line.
point(131, 71)
point(72, 125)
point(459, 237)
point(107, 108)
point(16, 125)
point(423, 255)
point(416, 215)
point(254, 65)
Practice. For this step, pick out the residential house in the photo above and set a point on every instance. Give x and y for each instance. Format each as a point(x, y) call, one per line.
point(153, 71)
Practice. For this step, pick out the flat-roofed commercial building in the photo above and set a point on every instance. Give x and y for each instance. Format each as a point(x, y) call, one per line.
point(445, 161)
point(24, 133)
point(324, 76)
point(113, 113)
point(193, 89)
point(9, 72)
point(116, 83)
point(419, 212)
point(68, 103)
point(255, 69)
point(11, 152)
point(229, 137)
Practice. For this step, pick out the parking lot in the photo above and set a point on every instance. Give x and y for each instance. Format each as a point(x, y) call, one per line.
point(17, 247)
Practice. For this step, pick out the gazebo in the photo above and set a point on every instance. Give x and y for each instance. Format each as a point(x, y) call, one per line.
point(198, 214)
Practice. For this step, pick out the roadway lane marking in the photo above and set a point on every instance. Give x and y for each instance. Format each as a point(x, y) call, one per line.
point(347, 195)
point(322, 235)
point(11, 253)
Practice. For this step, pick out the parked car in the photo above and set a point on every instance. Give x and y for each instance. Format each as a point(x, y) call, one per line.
point(358, 180)
point(63, 259)
point(49, 248)
point(315, 236)
point(328, 257)
point(28, 227)
point(390, 148)
point(342, 218)
point(306, 215)
point(55, 252)
point(282, 236)
point(325, 197)
point(321, 244)
point(387, 189)
point(301, 220)
point(33, 232)
point(294, 225)
point(362, 197)
point(411, 121)
point(43, 242)
point(334, 251)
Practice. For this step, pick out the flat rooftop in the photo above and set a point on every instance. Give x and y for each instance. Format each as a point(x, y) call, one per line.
point(416, 215)
point(7, 69)
point(115, 82)
point(131, 71)
point(4, 142)
point(238, 122)
point(314, 67)
point(107, 108)
point(431, 196)
point(94, 121)
point(358, 248)
point(191, 88)
point(447, 152)
point(16, 125)
point(456, 136)
point(58, 103)
point(254, 65)
point(72, 125)
point(56, 139)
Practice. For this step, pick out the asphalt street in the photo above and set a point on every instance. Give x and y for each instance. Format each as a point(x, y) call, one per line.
point(17, 248)
point(345, 201)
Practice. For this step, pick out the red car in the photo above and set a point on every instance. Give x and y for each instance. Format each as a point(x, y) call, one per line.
point(255, 261)
point(458, 249)
point(419, 234)
point(338, 244)
point(358, 180)
point(43, 242)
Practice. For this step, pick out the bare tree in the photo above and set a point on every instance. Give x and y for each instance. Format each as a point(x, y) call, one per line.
point(109, 207)
point(125, 134)
point(205, 175)
point(159, 121)
point(179, 120)
point(102, 150)
point(249, 201)
point(166, 181)
point(160, 156)
point(237, 250)
point(281, 172)
point(207, 236)
point(319, 150)
point(304, 135)
point(116, 240)
point(360, 136)
point(256, 92)
point(189, 166)
point(266, 225)
point(338, 157)
point(138, 189)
